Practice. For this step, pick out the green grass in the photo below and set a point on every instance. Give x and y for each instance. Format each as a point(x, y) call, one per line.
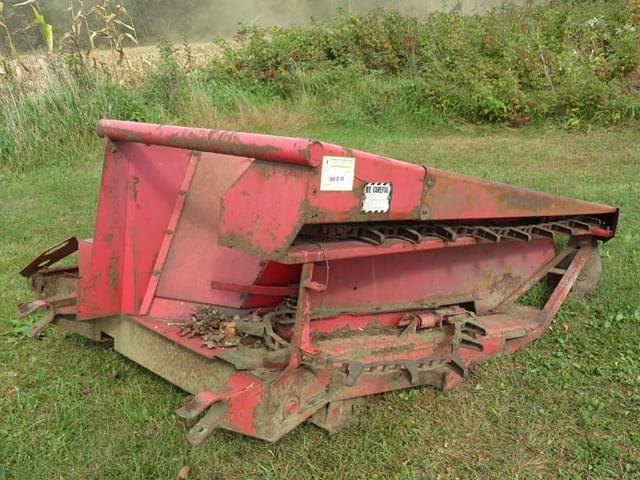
point(567, 406)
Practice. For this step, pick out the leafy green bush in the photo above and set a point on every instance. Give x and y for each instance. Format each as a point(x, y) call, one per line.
point(559, 61)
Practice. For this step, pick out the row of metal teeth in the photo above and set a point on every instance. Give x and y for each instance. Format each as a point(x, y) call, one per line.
point(326, 361)
point(377, 233)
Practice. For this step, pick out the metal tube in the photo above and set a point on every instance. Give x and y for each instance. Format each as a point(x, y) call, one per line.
point(563, 288)
point(298, 151)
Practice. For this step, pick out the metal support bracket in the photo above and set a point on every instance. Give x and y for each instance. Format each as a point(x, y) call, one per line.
point(207, 424)
point(301, 339)
point(37, 328)
point(51, 256)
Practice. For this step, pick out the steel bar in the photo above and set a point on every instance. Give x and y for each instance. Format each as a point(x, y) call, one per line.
point(298, 151)
point(566, 282)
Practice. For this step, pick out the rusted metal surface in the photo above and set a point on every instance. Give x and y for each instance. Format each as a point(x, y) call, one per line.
point(298, 151)
point(51, 256)
point(454, 196)
point(566, 282)
point(188, 277)
point(301, 338)
point(483, 274)
point(338, 414)
point(49, 314)
point(281, 280)
point(169, 232)
point(378, 233)
point(264, 290)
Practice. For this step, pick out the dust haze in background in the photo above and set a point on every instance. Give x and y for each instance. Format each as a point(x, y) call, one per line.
point(203, 20)
point(206, 19)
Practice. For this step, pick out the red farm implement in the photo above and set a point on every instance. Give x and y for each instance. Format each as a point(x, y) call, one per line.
point(280, 279)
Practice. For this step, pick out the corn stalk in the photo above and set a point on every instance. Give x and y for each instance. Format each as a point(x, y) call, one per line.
point(3, 24)
point(39, 22)
point(116, 30)
point(79, 24)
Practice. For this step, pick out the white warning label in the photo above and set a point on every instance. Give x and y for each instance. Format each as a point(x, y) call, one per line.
point(337, 174)
point(376, 197)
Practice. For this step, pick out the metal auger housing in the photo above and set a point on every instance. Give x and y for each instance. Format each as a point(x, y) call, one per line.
point(279, 280)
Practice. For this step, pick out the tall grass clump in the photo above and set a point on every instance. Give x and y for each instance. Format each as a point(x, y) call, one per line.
point(55, 124)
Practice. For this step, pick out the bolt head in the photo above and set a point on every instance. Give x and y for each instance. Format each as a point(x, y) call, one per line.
point(291, 406)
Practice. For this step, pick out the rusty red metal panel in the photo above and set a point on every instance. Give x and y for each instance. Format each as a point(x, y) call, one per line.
point(139, 188)
point(196, 258)
point(407, 182)
point(304, 252)
point(171, 310)
point(169, 233)
point(84, 254)
point(264, 210)
point(458, 197)
point(155, 178)
point(484, 274)
point(240, 415)
point(100, 286)
point(351, 321)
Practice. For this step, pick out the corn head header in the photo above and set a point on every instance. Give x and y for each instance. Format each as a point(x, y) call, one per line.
point(280, 280)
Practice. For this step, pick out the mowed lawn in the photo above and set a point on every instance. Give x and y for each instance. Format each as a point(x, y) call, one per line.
point(566, 407)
